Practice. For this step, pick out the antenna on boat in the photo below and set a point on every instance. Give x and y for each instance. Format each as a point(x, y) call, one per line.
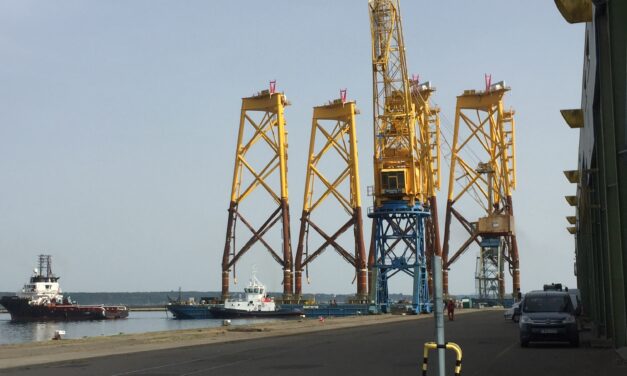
point(253, 273)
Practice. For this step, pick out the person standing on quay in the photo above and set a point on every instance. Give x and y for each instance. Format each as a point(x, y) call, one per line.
point(450, 307)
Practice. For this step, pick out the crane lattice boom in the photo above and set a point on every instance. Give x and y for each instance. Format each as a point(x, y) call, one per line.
point(396, 155)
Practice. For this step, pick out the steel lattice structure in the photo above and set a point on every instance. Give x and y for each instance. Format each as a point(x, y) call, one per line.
point(264, 115)
point(481, 121)
point(428, 119)
point(334, 125)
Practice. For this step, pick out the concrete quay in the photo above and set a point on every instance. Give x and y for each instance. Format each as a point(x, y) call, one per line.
point(72, 349)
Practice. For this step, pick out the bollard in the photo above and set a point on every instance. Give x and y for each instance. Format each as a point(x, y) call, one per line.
point(448, 345)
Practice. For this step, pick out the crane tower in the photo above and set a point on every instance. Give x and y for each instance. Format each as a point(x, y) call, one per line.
point(400, 193)
point(262, 126)
point(333, 133)
point(481, 122)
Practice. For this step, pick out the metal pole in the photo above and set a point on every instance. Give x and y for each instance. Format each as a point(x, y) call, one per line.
point(438, 306)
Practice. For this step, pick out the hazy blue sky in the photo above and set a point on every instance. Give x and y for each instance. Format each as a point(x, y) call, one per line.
point(118, 125)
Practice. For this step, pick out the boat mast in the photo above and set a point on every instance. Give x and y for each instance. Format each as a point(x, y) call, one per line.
point(45, 263)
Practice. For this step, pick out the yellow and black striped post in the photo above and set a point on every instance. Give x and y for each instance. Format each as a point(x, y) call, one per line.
point(448, 345)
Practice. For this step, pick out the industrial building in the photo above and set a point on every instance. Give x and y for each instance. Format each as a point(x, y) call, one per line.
point(600, 222)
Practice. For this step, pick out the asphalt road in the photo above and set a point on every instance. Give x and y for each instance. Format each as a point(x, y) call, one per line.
point(490, 347)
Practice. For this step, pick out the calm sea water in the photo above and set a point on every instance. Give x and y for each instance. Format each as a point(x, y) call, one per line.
point(137, 322)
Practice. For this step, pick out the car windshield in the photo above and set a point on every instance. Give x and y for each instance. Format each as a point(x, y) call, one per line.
point(547, 304)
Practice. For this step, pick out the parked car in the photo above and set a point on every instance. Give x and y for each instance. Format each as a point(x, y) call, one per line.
point(548, 316)
point(513, 312)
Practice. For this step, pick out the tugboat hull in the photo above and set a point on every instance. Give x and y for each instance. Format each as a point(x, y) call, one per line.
point(228, 313)
point(21, 310)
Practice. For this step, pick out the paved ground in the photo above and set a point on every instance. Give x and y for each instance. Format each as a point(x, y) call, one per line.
point(490, 348)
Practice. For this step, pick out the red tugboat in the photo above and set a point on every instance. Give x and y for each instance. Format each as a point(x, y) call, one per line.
point(41, 300)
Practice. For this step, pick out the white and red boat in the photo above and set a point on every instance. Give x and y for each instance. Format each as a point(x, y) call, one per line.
point(256, 304)
point(41, 300)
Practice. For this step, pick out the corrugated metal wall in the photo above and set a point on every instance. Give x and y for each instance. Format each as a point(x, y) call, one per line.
point(601, 236)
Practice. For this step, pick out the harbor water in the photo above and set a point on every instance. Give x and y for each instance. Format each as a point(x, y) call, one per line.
point(137, 322)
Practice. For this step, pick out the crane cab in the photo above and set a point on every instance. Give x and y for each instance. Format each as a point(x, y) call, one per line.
point(393, 182)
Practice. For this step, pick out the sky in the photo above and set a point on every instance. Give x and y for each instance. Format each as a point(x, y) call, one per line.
point(118, 126)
